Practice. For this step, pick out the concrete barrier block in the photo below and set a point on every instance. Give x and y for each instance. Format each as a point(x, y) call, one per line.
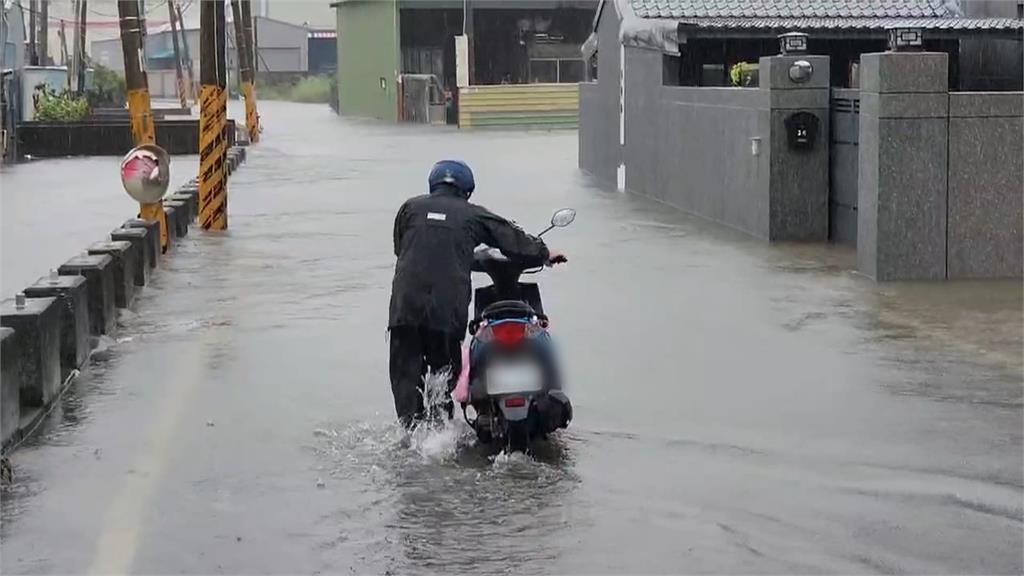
point(36, 324)
point(72, 295)
point(181, 216)
point(99, 277)
point(187, 192)
point(172, 223)
point(139, 237)
point(191, 202)
point(184, 206)
point(10, 387)
point(152, 228)
point(125, 263)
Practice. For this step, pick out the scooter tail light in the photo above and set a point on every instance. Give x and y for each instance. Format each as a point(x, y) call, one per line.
point(509, 334)
point(515, 402)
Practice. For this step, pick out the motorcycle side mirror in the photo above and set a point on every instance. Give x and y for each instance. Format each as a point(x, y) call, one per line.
point(560, 219)
point(563, 218)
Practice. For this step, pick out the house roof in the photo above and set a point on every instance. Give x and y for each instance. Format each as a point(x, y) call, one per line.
point(852, 24)
point(686, 9)
point(656, 24)
point(838, 16)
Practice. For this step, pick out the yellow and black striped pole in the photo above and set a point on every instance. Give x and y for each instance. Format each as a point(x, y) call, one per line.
point(252, 115)
point(137, 85)
point(213, 114)
point(243, 48)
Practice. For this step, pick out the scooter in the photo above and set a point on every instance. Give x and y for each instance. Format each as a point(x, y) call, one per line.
point(514, 383)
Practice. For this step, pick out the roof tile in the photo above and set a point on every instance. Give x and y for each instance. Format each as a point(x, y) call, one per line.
point(794, 8)
point(846, 23)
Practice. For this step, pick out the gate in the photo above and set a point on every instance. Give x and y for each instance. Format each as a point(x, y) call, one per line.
point(843, 166)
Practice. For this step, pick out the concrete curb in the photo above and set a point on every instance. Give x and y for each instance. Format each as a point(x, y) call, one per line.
point(99, 276)
point(10, 385)
point(140, 245)
point(48, 333)
point(125, 263)
point(71, 293)
point(36, 324)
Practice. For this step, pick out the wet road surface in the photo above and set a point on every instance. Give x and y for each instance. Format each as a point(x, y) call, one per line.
point(740, 408)
point(50, 210)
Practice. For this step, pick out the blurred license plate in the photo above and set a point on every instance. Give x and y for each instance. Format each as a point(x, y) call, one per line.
point(514, 378)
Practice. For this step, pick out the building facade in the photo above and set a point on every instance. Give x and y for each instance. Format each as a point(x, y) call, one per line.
point(510, 42)
point(282, 47)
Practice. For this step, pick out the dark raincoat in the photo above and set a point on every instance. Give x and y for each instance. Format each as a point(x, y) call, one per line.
point(435, 235)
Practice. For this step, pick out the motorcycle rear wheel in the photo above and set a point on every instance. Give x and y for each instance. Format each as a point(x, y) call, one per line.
point(518, 434)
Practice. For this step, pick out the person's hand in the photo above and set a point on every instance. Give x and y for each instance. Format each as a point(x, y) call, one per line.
point(556, 258)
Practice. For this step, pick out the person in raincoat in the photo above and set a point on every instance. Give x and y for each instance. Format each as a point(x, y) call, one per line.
point(435, 235)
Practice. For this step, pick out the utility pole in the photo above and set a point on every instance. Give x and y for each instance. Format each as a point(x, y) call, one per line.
point(64, 47)
point(252, 115)
point(44, 32)
point(137, 84)
point(246, 77)
point(33, 28)
point(177, 55)
point(188, 54)
point(76, 43)
point(213, 114)
point(254, 33)
point(80, 64)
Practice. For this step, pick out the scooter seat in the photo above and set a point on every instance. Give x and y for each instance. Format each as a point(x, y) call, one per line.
point(508, 310)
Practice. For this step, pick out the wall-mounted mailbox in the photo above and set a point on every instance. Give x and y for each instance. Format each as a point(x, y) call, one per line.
point(802, 130)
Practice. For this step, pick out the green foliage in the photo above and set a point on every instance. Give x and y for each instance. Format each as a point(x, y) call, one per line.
point(108, 89)
point(62, 107)
point(744, 74)
point(311, 89)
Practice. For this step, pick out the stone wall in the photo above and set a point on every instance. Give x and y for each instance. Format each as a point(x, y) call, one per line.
point(986, 185)
point(719, 153)
point(941, 174)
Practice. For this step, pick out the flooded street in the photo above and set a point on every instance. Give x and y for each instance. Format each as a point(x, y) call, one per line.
point(739, 407)
point(52, 209)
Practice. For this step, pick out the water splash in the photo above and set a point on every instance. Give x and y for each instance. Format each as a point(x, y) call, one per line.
point(437, 437)
point(436, 396)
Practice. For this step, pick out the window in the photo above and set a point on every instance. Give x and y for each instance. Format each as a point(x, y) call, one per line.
point(543, 71)
point(553, 71)
point(570, 71)
point(712, 75)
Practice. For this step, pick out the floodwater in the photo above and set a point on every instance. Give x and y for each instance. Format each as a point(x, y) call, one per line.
point(51, 210)
point(740, 408)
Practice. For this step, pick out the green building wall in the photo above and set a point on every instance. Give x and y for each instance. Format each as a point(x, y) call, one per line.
point(368, 57)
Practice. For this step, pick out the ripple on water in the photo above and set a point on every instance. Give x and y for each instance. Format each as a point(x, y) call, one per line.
point(432, 499)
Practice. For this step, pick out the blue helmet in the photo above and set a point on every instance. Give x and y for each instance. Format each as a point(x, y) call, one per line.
point(454, 173)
